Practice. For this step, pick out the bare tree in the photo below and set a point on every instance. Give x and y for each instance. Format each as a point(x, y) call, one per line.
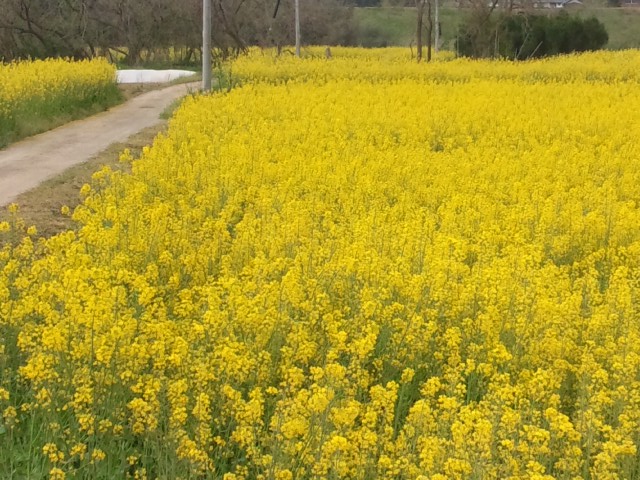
point(39, 28)
point(421, 5)
point(142, 31)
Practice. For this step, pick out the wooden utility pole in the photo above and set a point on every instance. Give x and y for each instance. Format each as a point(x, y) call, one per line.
point(206, 45)
point(298, 28)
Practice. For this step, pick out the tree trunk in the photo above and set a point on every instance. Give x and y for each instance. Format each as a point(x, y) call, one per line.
point(297, 15)
point(430, 30)
point(420, 12)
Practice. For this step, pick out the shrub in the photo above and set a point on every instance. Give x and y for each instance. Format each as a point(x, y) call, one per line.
point(526, 36)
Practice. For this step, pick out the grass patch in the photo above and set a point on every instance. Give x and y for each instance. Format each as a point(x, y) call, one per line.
point(32, 119)
point(384, 26)
point(170, 110)
point(387, 26)
point(622, 24)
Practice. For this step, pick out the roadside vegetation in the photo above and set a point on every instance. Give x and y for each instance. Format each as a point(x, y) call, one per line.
point(39, 95)
point(42, 207)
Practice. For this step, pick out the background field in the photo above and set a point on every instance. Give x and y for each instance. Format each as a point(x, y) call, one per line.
point(395, 26)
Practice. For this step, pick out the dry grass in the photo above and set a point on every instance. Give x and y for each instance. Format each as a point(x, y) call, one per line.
point(42, 205)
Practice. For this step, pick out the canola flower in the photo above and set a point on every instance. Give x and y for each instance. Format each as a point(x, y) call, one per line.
point(382, 65)
point(340, 276)
point(38, 91)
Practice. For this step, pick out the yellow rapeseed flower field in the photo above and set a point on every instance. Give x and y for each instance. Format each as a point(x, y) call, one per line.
point(360, 268)
point(35, 93)
point(398, 64)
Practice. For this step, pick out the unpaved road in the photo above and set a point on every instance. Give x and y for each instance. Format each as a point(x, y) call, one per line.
point(24, 165)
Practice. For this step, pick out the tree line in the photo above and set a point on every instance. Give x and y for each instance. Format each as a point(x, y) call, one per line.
point(147, 31)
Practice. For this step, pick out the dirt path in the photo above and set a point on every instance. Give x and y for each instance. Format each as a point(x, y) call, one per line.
point(26, 164)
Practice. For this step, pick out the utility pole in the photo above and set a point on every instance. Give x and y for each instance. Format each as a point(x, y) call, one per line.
point(298, 28)
point(437, 39)
point(206, 45)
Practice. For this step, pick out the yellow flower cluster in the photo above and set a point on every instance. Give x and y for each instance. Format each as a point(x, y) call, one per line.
point(347, 277)
point(43, 89)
